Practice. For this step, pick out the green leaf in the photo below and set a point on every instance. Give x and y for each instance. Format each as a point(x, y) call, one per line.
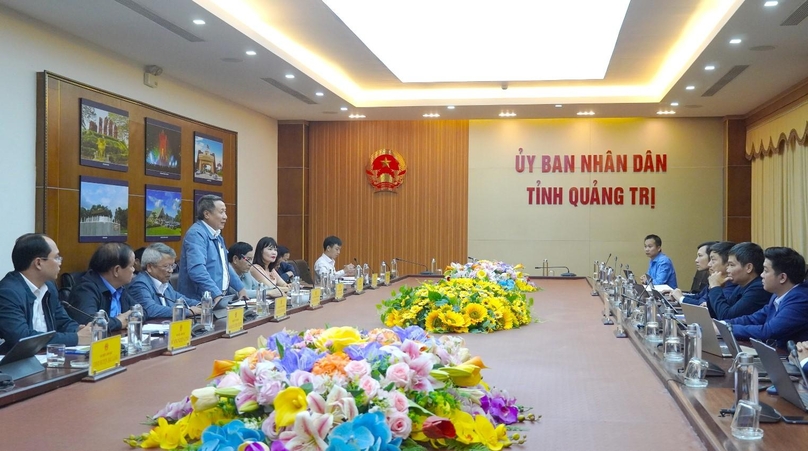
point(415, 406)
point(280, 348)
point(411, 445)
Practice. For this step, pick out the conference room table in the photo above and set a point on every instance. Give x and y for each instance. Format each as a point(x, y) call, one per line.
point(593, 391)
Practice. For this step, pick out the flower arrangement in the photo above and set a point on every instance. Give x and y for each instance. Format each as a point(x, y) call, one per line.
point(342, 389)
point(479, 297)
point(509, 277)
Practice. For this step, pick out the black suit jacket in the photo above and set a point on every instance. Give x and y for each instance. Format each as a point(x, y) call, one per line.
point(90, 296)
point(743, 301)
point(17, 309)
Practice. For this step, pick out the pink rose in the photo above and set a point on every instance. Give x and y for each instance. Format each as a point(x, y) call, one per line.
point(398, 401)
point(357, 369)
point(268, 427)
point(399, 374)
point(268, 392)
point(400, 425)
point(230, 380)
point(370, 386)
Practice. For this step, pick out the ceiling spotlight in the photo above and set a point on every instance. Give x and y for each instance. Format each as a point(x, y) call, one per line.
point(735, 41)
point(771, 3)
point(507, 114)
point(559, 106)
point(344, 108)
point(710, 67)
point(319, 93)
point(251, 52)
point(450, 107)
point(290, 76)
point(431, 115)
point(674, 103)
point(202, 22)
point(586, 113)
point(665, 112)
point(690, 88)
point(357, 116)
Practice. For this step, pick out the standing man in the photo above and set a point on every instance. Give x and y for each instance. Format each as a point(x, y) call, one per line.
point(326, 263)
point(661, 267)
point(203, 261)
point(29, 300)
point(151, 288)
point(112, 266)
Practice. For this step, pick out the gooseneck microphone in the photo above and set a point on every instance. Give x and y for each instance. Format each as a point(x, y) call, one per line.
point(425, 272)
point(68, 305)
point(565, 274)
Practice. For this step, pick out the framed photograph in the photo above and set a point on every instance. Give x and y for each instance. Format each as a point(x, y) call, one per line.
point(103, 209)
point(208, 162)
point(104, 136)
point(163, 213)
point(163, 152)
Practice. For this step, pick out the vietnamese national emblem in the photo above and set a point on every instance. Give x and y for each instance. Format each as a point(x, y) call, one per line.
point(386, 170)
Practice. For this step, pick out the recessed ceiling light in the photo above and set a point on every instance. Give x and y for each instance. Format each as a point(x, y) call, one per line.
point(507, 114)
point(771, 3)
point(710, 67)
point(290, 76)
point(251, 52)
point(674, 103)
point(357, 116)
point(450, 107)
point(586, 113)
point(319, 93)
point(735, 41)
point(344, 108)
point(559, 106)
point(199, 22)
point(665, 112)
point(690, 88)
point(431, 115)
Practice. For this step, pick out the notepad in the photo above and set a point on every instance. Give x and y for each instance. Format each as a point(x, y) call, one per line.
point(155, 329)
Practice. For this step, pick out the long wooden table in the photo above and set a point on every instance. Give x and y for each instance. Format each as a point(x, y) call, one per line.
point(594, 392)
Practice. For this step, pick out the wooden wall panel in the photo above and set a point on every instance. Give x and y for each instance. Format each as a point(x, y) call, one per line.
point(58, 168)
point(293, 191)
point(738, 183)
point(426, 218)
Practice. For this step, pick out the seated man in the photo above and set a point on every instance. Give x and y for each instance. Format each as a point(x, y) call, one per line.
point(29, 300)
point(138, 255)
point(744, 266)
point(151, 289)
point(111, 267)
point(240, 256)
point(702, 267)
point(286, 269)
point(660, 268)
point(785, 317)
point(802, 355)
point(325, 264)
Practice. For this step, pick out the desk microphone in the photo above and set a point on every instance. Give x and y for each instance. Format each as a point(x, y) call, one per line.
point(426, 271)
point(606, 263)
point(70, 306)
point(565, 274)
point(473, 260)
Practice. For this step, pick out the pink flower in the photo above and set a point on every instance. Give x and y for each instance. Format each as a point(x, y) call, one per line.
point(268, 426)
point(370, 386)
point(357, 369)
point(398, 401)
point(438, 428)
point(308, 433)
point(400, 425)
point(230, 380)
point(399, 374)
point(267, 392)
point(299, 378)
point(246, 400)
point(411, 348)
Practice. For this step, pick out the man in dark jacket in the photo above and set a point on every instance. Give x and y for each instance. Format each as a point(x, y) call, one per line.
point(112, 266)
point(29, 300)
point(744, 265)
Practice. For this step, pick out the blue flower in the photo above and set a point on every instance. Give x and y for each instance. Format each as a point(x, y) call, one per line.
point(413, 333)
point(302, 359)
point(367, 432)
point(371, 352)
point(228, 437)
point(285, 339)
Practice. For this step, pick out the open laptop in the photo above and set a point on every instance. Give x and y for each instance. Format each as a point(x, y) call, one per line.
point(735, 348)
point(780, 378)
point(20, 360)
point(709, 339)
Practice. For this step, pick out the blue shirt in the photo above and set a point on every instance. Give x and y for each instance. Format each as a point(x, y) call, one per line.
point(115, 303)
point(661, 271)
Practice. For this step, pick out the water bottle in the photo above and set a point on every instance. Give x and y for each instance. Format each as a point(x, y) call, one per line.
point(746, 378)
point(359, 273)
point(294, 291)
point(207, 311)
point(135, 330)
point(383, 271)
point(696, 369)
point(261, 300)
point(434, 266)
point(368, 275)
point(178, 311)
point(673, 344)
point(393, 269)
point(99, 325)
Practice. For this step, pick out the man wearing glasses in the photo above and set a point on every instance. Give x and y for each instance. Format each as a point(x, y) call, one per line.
point(151, 288)
point(241, 258)
point(29, 300)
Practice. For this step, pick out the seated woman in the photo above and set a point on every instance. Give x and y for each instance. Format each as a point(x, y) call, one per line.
point(263, 267)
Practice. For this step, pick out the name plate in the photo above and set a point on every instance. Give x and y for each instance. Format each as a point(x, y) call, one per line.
point(374, 280)
point(360, 285)
point(339, 292)
point(179, 334)
point(105, 354)
point(235, 320)
point(387, 278)
point(280, 307)
point(314, 300)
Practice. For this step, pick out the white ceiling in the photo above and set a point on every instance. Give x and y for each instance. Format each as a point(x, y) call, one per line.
point(776, 56)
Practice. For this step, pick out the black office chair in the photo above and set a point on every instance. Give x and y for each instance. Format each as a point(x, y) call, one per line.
point(304, 272)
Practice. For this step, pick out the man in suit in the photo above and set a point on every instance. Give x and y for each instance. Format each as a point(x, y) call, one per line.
point(203, 262)
point(29, 300)
point(286, 269)
point(112, 266)
point(151, 288)
point(744, 266)
point(785, 317)
point(698, 291)
point(660, 268)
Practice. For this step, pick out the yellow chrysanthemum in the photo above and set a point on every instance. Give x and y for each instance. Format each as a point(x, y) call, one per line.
point(453, 319)
point(475, 313)
point(433, 321)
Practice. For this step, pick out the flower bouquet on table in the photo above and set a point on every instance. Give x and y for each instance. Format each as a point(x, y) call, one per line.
point(342, 389)
point(509, 277)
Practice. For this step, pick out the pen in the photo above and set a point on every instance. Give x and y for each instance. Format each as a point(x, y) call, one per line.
point(75, 352)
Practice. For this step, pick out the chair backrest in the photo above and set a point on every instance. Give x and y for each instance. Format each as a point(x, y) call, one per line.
point(303, 271)
point(174, 280)
point(71, 279)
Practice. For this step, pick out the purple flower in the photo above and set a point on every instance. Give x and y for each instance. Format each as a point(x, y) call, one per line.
point(277, 445)
point(371, 352)
point(413, 333)
point(503, 411)
point(299, 359)
point(285, 339)
point(175, 410)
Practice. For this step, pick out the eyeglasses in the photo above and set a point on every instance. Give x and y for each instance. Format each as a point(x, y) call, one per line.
point(247, 259)
point(57, 259)
point(170, 267)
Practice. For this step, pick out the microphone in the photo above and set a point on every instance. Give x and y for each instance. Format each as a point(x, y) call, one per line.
point(70, 306)
point(565, 274)
point(274, 287)
point(606, 263)
point(792, 350)
point(426, 271)
point(472, 259)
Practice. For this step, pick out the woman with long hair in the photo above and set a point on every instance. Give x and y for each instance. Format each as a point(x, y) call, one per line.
point(263, 269)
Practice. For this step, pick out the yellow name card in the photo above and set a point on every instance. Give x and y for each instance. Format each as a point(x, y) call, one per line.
point(340, 292)
point(179, 334)
point(280, 307)
point(235, 320)
point(105, 354)
point(374, 280)
point(314, 300)
point(387, 278)
point(360, 285)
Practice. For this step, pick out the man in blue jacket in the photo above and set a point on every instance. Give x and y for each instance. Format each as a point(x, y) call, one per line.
point(744, 266)
point(29, 300)
point(785, 317)
point(151, 288)
point(660, 268)
point(203, 261)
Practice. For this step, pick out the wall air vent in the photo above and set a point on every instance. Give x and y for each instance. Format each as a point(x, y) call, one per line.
point(728, 77)
point(131, 4)
point(290, 91)
point(797, 16)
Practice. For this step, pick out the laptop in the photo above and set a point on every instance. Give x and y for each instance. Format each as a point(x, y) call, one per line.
point(709, 339)
point(220, 309)
point(659, 297)
point(20, 360)
point(780, 378)
point(735, 348)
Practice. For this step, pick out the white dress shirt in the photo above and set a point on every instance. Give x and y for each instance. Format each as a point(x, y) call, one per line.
point(222, 257)
point(325, 265)
point(160, 287)
point(38, 316)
